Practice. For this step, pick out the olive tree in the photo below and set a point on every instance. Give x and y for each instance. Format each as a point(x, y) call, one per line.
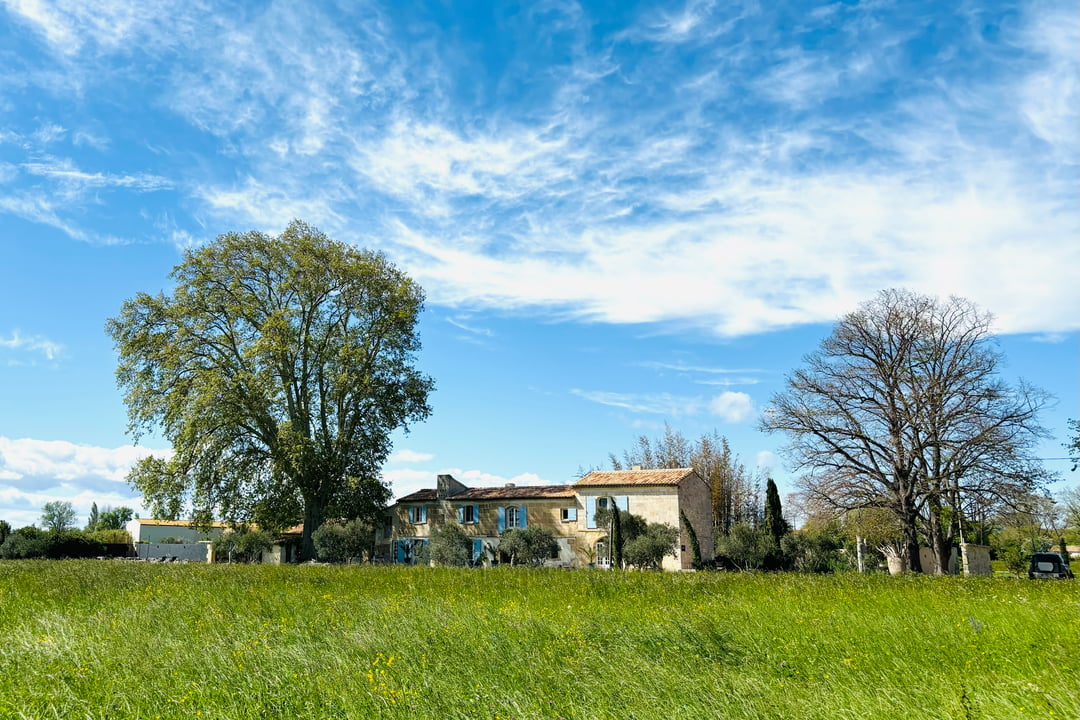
point(901, 407)
point(278, 368)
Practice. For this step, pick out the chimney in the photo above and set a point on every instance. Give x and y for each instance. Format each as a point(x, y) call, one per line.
point(636, 467)
point(510, 485)
point(448, 487)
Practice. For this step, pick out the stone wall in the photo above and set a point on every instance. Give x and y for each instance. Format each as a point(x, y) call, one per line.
point(976, 559)
point(191, 552)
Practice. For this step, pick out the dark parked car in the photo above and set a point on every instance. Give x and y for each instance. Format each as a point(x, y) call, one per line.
point(1048, 566)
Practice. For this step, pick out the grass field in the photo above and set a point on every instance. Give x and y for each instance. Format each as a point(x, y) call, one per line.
point(98, 639)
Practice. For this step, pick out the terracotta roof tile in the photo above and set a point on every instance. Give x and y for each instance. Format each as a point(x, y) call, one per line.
point(524, 492)
point(615, 478)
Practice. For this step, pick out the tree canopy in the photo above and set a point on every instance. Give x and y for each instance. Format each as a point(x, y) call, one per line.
point(902, 408)
point(58, 516)
point(278, 367)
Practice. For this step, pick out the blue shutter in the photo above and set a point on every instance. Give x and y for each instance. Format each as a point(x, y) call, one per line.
point(400, 551)
point(590, 512)
point(461, 514)
point(571, 514)
point(623, 503)
point(476, 513)
point(523, 516)
point(477, 549)
point(423, 513)
point(502, 518)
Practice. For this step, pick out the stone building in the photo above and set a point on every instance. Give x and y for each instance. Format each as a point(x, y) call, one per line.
point(659, 496)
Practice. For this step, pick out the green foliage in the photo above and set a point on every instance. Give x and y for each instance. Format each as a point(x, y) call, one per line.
point(743, 548)
point(695, 545)
point(58, 516)
point(815, 551)
point(241, 545)
point(531, 545)
point(648, 550)
point(343, 542)
point(5, 530)
point(114, 519)
point(171, 540)
point(24, 543)
point(617, 539)
point(112, 537)
point(450, 546)
point(774, 525)
point(95, 517)
point(72, 544)
point(278, 369)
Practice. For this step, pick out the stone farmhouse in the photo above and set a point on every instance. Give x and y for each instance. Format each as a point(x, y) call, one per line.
point(659, 496)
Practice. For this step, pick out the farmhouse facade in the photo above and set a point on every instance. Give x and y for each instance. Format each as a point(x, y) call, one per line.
point(671, 496)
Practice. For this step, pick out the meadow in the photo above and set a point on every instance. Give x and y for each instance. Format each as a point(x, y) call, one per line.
point(110, 639)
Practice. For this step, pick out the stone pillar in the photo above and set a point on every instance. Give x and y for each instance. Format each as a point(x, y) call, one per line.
point(976, 559)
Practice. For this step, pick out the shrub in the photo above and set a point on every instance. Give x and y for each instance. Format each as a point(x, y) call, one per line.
point(24, 543)
point(451, 546)
point(649, 550)
point(814, 552)
point(530, 546)
point(241, 545)
point(72, 544)
point(112, 537)
point(342, 542)
point(743, 548)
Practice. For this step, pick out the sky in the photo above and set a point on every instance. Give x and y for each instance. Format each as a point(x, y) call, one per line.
point(622, 214)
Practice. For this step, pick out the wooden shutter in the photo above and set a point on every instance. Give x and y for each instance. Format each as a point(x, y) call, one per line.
point(590, 512)
point(502, 518)
point(523, 518)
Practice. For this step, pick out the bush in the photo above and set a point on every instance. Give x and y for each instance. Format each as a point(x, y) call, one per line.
point(72, 544)
point(451, 546)
point(743, 548)
point(112, 537)
point(814, 552)
point(241, 545)
point(24, 543)
point(530, 546)
point(342, 542)
point(648, 551)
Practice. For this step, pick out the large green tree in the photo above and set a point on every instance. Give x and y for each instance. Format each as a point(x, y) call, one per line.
point(58, 516)
point(277, 367)
point(902, 407)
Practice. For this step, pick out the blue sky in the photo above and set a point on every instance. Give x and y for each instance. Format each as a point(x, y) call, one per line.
point(622, 214)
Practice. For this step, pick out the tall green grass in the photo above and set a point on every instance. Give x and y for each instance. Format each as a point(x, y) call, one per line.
point(89, 639)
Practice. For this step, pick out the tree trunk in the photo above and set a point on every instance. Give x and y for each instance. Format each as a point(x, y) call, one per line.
point(908, 518)
point(313, 519)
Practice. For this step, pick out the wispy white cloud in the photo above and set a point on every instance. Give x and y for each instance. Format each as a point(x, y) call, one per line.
point(657, 404)
point(410, 456)
point(65, 172)
point(38, 344)
point(706, 164)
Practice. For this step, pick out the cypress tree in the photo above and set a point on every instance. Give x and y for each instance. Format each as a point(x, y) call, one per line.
point(616, 535)
point(775, 526)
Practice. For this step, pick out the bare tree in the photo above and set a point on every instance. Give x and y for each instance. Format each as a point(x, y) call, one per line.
point(902, 408)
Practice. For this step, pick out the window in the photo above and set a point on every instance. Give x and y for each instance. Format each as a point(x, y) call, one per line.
point(468, 514)
point(512, 517)
point(569, 514)
point(601, 503)
point(388, 526)
point(417, 514)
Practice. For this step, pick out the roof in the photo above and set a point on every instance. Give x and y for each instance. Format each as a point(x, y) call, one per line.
point(174, 523)
point(524, 492)
point(617, 478)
